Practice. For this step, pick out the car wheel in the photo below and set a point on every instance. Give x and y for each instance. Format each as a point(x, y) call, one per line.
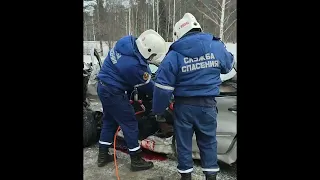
point(89, 128)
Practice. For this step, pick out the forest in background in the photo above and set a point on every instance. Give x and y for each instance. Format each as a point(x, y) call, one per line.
point(108, 20)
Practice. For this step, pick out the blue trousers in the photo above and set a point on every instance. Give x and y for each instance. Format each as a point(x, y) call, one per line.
point(201, 120)
point(117, 110)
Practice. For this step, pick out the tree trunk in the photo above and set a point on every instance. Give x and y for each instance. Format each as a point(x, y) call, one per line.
point(93, 31)
point(127, 23)
point(174, 14)
point(223, 6)
point(136, 25)
point(148, 25)
point(154, 23)
point(129, 32)
point(168, 23)
point(158, 16)
point(85, 24)
point(179, 9)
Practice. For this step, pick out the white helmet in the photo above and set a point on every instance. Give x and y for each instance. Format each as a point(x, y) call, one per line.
point(184, 25)
point(151, 45)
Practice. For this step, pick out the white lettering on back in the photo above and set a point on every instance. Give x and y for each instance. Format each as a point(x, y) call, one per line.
point(192, 64)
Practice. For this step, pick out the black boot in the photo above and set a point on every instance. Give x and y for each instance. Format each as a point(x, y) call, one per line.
point(104, 157)
point(211, 176)
point(185, 176)
point(139, 164)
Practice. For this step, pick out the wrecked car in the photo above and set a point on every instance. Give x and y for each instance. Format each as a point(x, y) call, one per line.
point(159, 136)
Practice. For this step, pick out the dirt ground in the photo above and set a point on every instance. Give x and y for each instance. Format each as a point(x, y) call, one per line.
point(166, 168)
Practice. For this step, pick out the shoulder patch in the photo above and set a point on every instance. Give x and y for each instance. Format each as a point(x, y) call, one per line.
point(146, 76)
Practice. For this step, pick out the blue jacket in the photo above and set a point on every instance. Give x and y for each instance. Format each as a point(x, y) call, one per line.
point(125, 67)
point(191, 68)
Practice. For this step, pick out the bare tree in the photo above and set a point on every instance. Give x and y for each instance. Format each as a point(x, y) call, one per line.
point(153, 19)
point(129, 30)
point(168, 23)
point(157, 15)
point(174, 13)
point(217, 13)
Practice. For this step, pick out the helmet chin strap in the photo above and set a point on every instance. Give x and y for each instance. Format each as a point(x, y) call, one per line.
point(149, 60)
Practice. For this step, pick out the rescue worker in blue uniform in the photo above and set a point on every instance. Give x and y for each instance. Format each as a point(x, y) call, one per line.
point(191, 73)
point(126, 67)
